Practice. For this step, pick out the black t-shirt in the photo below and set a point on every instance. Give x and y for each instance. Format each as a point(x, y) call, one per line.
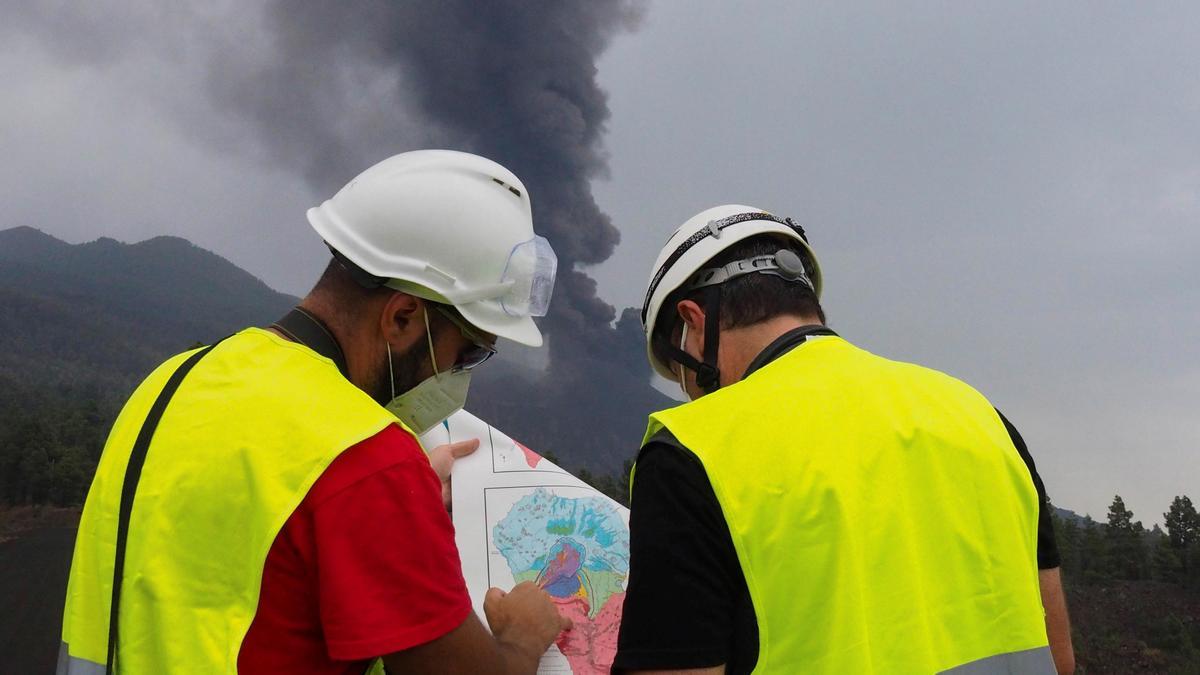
point(687, 604)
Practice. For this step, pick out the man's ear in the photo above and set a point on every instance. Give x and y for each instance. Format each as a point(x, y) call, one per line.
point(401, 322)
point(691, 314)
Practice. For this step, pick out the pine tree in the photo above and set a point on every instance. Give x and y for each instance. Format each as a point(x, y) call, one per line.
point(1183, 523)
point(1183, 533)
point(1165, 563)
point(1068, 538)
point(1093, 554)
point(1123, 536)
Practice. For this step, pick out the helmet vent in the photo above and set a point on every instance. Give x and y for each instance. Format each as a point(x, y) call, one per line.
point(511, 189)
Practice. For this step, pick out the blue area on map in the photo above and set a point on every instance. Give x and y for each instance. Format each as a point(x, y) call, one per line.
point(533, 530)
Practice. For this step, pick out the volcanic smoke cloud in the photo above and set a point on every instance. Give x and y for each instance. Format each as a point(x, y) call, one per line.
point(512, 81)
point(326, 89)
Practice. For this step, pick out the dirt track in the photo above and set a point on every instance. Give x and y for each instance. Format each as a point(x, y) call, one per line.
point(33, 583)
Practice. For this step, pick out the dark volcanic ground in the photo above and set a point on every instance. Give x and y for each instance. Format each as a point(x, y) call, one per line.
point(1120, 627)
point(33, 584)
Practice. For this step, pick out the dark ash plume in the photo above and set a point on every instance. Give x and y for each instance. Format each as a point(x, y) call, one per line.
point(513, 81)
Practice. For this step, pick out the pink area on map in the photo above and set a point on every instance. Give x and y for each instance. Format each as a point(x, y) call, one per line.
point(531, 457)
point(591, 645)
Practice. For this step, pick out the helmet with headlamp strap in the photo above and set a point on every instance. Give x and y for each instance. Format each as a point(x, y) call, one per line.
point(682, 265)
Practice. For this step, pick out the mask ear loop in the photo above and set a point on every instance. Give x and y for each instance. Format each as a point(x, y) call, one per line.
point(429, 339)
point(391, 373)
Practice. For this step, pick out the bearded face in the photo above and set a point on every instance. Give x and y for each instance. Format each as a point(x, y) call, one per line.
point(407, 371)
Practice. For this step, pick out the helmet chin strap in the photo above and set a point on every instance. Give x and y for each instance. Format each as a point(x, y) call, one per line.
point(708, 375)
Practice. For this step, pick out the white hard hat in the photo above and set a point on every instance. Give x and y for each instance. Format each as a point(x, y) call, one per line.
point(701, 239)
point(450, 227)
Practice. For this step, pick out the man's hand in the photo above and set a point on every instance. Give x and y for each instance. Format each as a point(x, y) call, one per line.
point(442, 458)
point(524, 620)
point(524, 624)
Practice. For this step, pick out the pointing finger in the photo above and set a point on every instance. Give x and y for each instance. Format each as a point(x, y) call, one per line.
point(493, 595)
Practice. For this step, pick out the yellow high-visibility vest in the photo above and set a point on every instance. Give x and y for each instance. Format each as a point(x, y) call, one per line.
point(883, 519)
point(249, 430)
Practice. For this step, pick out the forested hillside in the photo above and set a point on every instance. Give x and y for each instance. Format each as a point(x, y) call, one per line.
point(80, 325)
point(1133, 593)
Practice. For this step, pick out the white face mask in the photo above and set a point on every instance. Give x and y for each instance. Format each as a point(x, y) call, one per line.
point(682, 370)
point(433, 400)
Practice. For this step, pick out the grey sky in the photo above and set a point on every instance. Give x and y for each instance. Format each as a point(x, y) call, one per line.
point(1006, 192)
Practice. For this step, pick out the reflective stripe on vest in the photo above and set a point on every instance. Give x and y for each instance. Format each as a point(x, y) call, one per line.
point(249, 431)
point(881, 515)
point(1037, 661)
point(74, 665)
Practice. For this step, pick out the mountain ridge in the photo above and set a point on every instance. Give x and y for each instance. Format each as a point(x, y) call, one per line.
point(116, 309)
point(102, 314)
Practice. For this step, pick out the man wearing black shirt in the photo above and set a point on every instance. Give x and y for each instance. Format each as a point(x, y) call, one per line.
point(688, 605)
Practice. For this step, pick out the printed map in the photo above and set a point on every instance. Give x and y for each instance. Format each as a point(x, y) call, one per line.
point(519, 517)
point(576, 547)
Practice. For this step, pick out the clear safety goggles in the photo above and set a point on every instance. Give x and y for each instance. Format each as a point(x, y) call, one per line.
point(529, 277)
point(524, 288)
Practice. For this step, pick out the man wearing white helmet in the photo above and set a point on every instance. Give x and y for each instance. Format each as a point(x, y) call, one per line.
point(263, 504)
point(815, 508)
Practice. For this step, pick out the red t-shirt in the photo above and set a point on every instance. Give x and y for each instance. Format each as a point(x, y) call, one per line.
point(365, 566)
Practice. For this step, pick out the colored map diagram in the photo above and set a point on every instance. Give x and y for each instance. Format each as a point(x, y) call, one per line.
point(519, 517)
point(574, 544)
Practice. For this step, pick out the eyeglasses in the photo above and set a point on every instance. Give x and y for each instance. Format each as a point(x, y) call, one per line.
point(479, 351)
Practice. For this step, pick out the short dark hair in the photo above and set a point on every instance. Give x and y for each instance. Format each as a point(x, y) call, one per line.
point(750, 298)
point(345, 295)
